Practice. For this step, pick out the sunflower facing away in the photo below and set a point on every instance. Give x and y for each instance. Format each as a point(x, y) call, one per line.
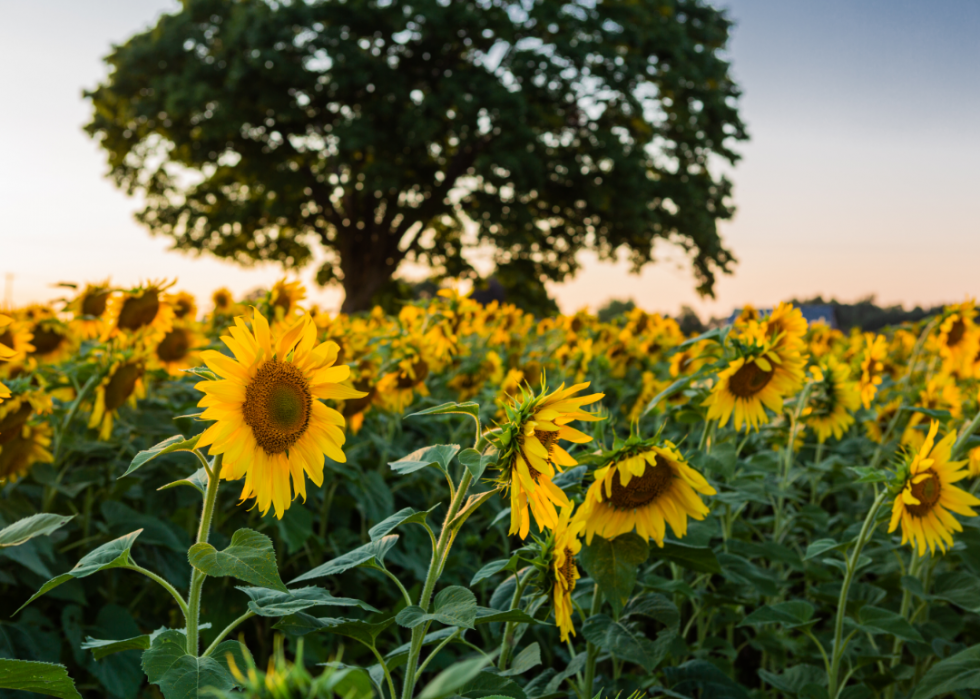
point(923, 505)
point(122, 385)
point(645, 484)
point(529, 452)
point(567, 545)
point(269, 422)
point(833, 400)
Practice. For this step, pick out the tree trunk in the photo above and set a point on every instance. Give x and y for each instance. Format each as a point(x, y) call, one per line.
point(366, 270)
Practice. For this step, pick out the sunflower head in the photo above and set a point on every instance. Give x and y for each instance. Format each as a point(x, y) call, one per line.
point(142, 313)
point(88, 309)
point(178, 349)
point(786, 327)
point(184, 305)
point(123, 384)
point(643, 485)
point(22, 446)
point(15, 339)
point(556, 572)
point(925, 497)
point(872, 366)
point(284, 299)
point(53, 340)
point(833, 399)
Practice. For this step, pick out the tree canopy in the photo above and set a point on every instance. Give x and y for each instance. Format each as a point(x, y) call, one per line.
point(364, 133)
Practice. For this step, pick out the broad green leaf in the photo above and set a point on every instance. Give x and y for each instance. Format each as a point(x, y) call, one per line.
point(250, 557)
point(613, 564)
point(451, 679)
point(867, 474)
point(453, 606)
point(363, 631)
point(625, 641)
point(876, 620)
point(700, 559)
point(492, 685)
point(271, 603)
point(198, 481)
point(574, 666)
point(405, 516)
point(656, 607)
point(701, 678)
point(101, 649)
point(570, 478)
point(183, 676)
point(954, 674)
point(372, 553)
point(488, 615)
point(820, 546)
point(473, 460)
point(959, 588)
point(942, 415)
point(468, 408)
point(740, 570)
point(114, 554)
point(35, 525)
point(793, 680)
point(167, 446)
point(439, 455)
point(41, 678)
point(494, 567)
point(793, 614)
point(524, 661)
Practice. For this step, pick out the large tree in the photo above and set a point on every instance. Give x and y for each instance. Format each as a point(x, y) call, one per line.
point(392, 130)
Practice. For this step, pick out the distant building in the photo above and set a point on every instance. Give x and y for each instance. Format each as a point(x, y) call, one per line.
point(813, 313)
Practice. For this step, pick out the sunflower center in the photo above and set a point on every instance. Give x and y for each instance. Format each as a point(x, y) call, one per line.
point(568, 568)
point(46, 340)
point(641, 490)
point(174, 346)
point(138, 311)
point(749, 380)
point(15, 457)
point(420, 369)
point(278, 405)
point(94, 303)
point(121, 385)
point(11, 424)
point(221, 301)
point(7, 338)
point(547, 438)
point(956, 332)
point(927, 493)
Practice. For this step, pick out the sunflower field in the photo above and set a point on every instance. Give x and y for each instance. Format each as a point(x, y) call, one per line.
point(256, 498)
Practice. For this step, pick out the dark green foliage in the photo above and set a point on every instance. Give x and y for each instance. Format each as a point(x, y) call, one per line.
point(373, 130)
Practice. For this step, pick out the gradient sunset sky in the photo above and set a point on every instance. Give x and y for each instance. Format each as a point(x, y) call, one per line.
point(861, 176)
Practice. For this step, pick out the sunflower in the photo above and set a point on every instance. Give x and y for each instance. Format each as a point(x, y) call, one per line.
point(6, 348)
point(224, 301)
point(269, 423)
point(758, 378)
point(123, 384)
point(872, 366)
point(529, 454)
point(284, 299)
point(786, 327)
point(23, 446)
point(178, 350)
point(876, 428)
point(927, 495)
point(832, 401)
point(142, 312)
point(567, 545)
point(88, 310)
point(956, 327)
point(184, 305)
point(15, 339)
point(644, 484)
point(53, 341)
point(974, 462)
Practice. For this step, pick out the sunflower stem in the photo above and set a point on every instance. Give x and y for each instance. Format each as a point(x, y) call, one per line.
point(838, 648)
point(591, 652)
point(914, 566)
point(507, 642)
point(960, 446)
point(227, 630)
point(197, 577)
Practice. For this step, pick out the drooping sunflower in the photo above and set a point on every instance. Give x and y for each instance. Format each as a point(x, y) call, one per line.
point(833, 401)
point(759, 377)
point(927, 496)
point(529, 453)
point(567, 545)
point(644, 484)
point(269, 422)
point(872, 366)
point(123, 384)
point(15, 339)
point(184, 305)
point(142, 313)
point(88, 310)
point(23, 447)
point(179, 348)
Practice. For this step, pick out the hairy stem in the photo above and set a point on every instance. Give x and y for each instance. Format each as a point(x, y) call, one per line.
point(197, 577)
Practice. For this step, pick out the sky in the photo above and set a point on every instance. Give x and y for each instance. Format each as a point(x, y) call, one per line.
point(860, 178)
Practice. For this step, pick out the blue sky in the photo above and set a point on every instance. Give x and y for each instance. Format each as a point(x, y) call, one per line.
point(861, 176)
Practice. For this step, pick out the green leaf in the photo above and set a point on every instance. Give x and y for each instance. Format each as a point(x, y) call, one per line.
point(41, 678)
point(473, 460)
point(867, 474)
point(363, 631)
point(405, 516)
point(656, 607)
point(575, 665)
point(793, 614)
point(954, 674)
point(700, 559)
point(198, 481)
point(793, 680)
point(453, 606)
point(167, 446)
point(439, 456)
point(35, 525)
point(101, 649)
point(524, 661)
point(821, 546)
point(114, 554)
point(494, 567)
point(613, 565)
point(625, 641)
point(488, 615)
point(959, 588)
point(270, 603)
point(702, 678)
point(876, 620)
point(942, 415)
point(468, 408)
point(451, 679)
point(429, 638)
point(369, 554)
point(250, 557)
point(182, 676)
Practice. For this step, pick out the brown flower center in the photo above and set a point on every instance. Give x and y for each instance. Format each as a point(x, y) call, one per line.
point(182, 308)
point(12, 423)
point(15, 457)
point(420, 369)
point(642, 490)
point(138, 311)
point(7, 338)
point(174, 345)
point(568, 569)
point(956, 331)
point(278, 405)
point(221, 301)
point(122, 384)
point(46, 340)
point(94, 303)
point(355, 405)
point(927, 493)
point(749, 380)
